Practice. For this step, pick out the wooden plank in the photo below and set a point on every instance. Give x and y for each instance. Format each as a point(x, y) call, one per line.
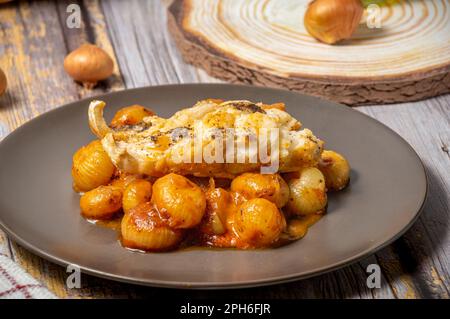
point(275, 52)
point(135, 62)
point(402, 281)
point(33, 43)
point(29, 67)
point(29, 64)
point(415, 266)
point(93, 30)
point(144, 49)
point(424, 251)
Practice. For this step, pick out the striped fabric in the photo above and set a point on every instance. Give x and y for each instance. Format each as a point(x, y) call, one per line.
point(15, 283)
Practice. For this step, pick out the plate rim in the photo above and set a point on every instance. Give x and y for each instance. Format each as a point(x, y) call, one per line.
point(217, 285)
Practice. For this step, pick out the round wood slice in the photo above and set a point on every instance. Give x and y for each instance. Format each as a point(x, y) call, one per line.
point(264, 42)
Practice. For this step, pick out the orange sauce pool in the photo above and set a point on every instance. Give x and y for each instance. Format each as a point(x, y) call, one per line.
point(113, 224)
point(296, 229)
point(202, 236)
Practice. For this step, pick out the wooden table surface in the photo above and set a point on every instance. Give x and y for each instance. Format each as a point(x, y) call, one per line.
point(34, 40)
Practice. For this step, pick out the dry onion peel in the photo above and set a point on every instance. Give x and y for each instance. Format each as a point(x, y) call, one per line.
point(89, 64)
point(331, 21)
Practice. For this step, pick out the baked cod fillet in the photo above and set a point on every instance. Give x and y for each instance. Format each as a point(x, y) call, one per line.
point(209, 139)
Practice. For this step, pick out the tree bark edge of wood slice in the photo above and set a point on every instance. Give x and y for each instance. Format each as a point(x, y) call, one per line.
point(404, 88)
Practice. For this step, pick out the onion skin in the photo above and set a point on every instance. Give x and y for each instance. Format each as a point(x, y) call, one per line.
point(101, 203)
point(89, 64)
point(91, 167)
point(307, 193)
point(142, 228)
point(179, 201)
point(130, 115)
point(269, 186)
point(335, 169)
point(3, 82)
point(218, 203)
point(136, 193)
point(258, 222)
point(331, 21)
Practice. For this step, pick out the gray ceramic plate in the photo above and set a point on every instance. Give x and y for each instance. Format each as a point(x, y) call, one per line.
point(39, 210)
